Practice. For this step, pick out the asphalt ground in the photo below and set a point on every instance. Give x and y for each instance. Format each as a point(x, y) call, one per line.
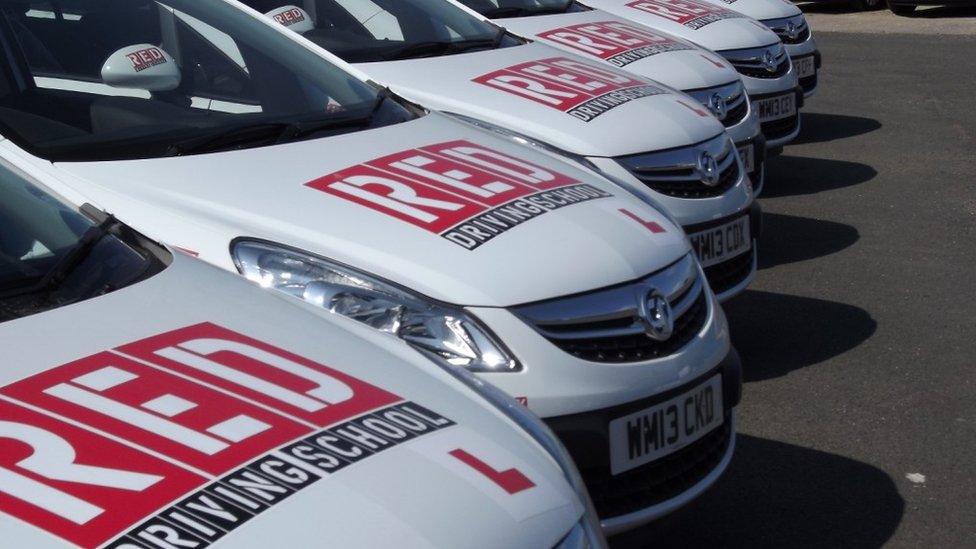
point(858, 421)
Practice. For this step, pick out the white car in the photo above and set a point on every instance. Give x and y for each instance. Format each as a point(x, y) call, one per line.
point(262, 157)
point(750, 46)
point(636, 130)
point(151, 401)
point(788, 22)
point(641, 50)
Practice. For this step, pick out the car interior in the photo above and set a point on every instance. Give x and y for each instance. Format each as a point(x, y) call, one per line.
point(52, 94)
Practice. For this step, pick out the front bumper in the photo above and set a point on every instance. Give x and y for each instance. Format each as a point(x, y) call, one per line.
point(731, 277)
point(782, 131)
point(648, 492)
point(806, 49)
point(757, 176)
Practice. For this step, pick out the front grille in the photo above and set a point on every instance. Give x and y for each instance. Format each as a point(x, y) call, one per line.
point(658, 481)
point(728, 274)
point(680, 173)
point(800, 38)
point(801, 31)
point(733, 98)
point(608, 325)
point(761, 72)
point(777, 129)
point(752, 61)
point(736, 114)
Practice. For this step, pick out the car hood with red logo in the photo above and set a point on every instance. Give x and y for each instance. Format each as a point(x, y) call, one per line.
point(195, 409)
point(445, 208)
point(577, 105)
point(715, 26)
point(762, 9)
point(653, 54)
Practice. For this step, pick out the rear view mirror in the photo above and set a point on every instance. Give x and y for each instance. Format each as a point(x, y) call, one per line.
point(142, 66)
point(294, 18)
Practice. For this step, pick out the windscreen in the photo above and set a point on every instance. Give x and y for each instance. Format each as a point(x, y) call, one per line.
point(361, 31)
point(117, 79)
point(51, 255)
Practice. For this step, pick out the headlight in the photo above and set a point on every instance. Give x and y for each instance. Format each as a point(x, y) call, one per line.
point(587, 533)
point(525, 140)
point(446, 334)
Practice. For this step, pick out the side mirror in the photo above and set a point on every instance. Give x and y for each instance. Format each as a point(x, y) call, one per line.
point(142, 66)
point(294, 18)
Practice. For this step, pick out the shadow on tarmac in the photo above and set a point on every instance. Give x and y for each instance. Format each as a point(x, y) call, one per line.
point(822, 127)
point(778, 333)
point(789, 175)
point(780, 495)
point(789, 239)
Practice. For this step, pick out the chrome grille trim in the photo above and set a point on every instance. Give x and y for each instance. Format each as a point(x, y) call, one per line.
point(614, 312)
point(749, 61)
point(676, 172)
point(734, 95)
point(678, 164)
point(780, 26)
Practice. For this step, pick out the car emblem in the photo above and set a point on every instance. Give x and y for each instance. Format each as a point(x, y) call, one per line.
point(656, 316)
point(717, 105)
point(791, 31)
point(769, 61)
point(707, 169)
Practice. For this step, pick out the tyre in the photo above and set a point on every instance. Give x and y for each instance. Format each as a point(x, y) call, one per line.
point(867, 5)
point(901, 9)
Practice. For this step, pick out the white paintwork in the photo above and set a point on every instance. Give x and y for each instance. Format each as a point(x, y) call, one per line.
point(686, 69)
point(402, 497)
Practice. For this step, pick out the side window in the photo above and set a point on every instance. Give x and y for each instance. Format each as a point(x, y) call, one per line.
point(213, 65)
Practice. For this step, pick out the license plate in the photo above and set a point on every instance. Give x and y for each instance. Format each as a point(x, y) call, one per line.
point(722, 243)
point(665, 428)
point(748, 155)
point(774, 108)
point(805, 66)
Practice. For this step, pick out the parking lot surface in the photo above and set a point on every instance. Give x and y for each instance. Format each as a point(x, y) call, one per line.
point(858, 422)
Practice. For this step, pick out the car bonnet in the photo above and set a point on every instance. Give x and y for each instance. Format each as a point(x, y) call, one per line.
point(442, 207)
point(203, 407)
point(761, 9)
point(712, 26)
point(577, 105)
point(638, 49)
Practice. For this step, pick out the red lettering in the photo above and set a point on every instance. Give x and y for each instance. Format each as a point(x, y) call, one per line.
point(78, 485)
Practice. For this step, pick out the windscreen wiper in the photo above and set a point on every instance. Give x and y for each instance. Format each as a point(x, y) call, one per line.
point(417, 49)
point(271, 133)
point(512, 11)
point(297, 130)
point(73, 257)
point(236, 137)
point(489, 43)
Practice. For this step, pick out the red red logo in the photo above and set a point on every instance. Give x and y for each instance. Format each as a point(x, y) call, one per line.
point(618, 43)
point(690, 13)
point(90, 448)
point(146, 58)
point(441, 188)
point(580, 89)
point(76, 484)
point(290, 17)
